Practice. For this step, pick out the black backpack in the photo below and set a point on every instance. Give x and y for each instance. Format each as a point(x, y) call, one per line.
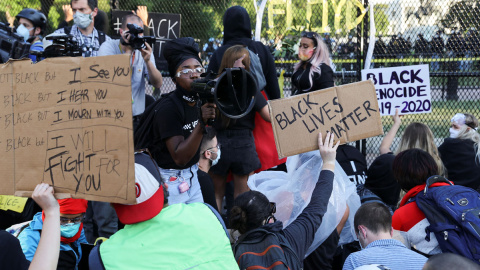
point(262, 249)
point(143, 134)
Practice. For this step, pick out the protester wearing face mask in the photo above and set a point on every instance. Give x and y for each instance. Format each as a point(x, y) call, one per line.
point(31, 24)
point(83, 30)
point(461, 152)
point(72, 213)
point(313, 72)
point(209, 156)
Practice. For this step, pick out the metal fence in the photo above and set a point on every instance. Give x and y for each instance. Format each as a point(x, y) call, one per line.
point(440, 33)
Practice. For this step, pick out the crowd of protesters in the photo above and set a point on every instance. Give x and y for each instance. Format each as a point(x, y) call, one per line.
point(194, 208)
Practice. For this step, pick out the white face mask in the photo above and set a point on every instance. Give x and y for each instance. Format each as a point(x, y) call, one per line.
point(82, 20)
point(24, 31)
point(454, 133)
point(215, 161)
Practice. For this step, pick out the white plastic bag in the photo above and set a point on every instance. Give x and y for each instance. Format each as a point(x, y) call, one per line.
point(292, 192)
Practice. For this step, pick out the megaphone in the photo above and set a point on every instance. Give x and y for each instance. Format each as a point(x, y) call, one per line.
point(233, 92)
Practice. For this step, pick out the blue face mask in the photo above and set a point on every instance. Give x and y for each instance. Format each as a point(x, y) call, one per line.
point(69, 230)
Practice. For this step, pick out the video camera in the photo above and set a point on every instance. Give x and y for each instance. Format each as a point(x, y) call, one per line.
point(60, 45)
point(12, 45)
point(233, 91)
point(138, 42)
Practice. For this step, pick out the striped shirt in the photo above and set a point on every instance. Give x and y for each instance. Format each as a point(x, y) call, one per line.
point(388, 252)
point(88, 44)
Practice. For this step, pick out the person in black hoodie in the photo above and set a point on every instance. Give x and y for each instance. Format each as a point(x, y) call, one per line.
point(461, 152)
point(238, 31)
point(253, 210)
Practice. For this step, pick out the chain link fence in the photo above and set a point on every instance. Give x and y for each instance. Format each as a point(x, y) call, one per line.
point(440, 33)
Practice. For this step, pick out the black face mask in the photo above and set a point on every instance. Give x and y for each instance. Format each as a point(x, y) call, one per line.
point(188, 96)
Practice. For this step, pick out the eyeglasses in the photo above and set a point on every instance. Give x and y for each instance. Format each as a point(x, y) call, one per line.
point(190, 71)
point(75, 220)
point(216, 146)
point(309, 34)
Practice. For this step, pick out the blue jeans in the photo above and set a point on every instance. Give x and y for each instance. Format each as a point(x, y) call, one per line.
point(189, 176)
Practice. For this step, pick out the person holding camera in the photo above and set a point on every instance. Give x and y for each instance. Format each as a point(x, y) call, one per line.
point(83, 31)
point(141, 60)
point(31, 24)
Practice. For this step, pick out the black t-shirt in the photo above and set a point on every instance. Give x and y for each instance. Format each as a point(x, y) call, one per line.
point(246, 122)
point(11, 255)
point(459, 156)
point(208, 190)
point(301, 80)
point(173, 118)
point(353, 162)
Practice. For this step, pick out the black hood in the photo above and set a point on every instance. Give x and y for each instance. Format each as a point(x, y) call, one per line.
point(236, 24)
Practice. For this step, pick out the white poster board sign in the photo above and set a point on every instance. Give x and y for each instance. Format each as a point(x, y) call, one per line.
point(406, 88)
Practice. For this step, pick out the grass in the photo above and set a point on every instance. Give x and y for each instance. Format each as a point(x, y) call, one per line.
point(439, 119)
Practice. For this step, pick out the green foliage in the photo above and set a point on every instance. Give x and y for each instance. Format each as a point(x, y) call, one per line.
point(381, 18)
point(463, 14)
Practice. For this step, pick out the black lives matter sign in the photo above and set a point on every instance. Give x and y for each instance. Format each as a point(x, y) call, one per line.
point(161, 25)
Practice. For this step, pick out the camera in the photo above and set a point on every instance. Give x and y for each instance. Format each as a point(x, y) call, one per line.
point(138, 42)
point(56, 45)
point(11, 44)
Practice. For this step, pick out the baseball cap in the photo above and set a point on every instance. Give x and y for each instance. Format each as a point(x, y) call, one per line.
point(149, 192)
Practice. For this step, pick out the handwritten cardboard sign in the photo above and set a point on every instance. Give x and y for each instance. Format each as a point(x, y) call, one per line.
point(164, 26)
point(349, 111)
point(404, 88)
point(68, 122)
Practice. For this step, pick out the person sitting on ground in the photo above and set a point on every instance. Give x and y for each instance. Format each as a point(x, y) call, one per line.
point(209, 156)
point(72, 214)
point(461, 152)
point(380, 184)
point(449, 261)
point(31, 26)
point(46, 255)
point(373, 227)
point(411, 169)
point(416, 135)
point(157, 236)
point(252, 210)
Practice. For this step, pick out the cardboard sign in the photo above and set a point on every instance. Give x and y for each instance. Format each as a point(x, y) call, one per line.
point(163, 26)
point(349, 111)
point(68, 122)
point(404, 88)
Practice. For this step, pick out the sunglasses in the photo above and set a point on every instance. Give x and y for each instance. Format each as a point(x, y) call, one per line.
point(75, 220)
point(190, 71)
point(309, 34)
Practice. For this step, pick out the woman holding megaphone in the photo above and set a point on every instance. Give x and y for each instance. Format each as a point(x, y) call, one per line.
point(313, 71)
point(239, 156)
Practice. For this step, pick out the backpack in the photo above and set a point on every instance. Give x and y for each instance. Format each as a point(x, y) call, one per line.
point(256, 70)
point(454, 216)
point(143, 134)
point(101, 35)
point(261, 249)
